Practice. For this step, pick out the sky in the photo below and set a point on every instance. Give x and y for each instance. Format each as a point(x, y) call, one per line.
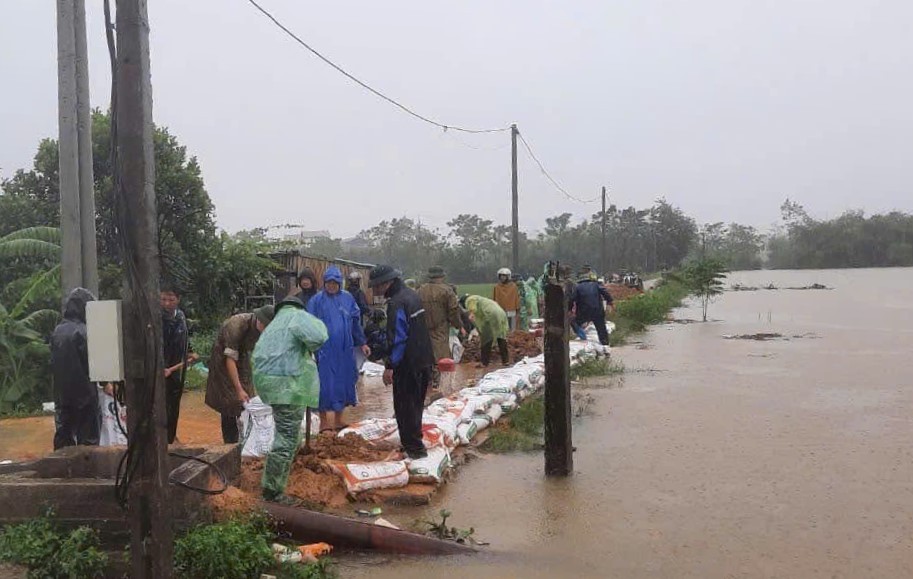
point(723, 107)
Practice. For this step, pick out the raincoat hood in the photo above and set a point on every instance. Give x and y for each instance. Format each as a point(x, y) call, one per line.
point(332, 274)
point(294, 301)
point(74, 308)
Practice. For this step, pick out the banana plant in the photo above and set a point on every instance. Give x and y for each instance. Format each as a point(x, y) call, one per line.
point(24, 355)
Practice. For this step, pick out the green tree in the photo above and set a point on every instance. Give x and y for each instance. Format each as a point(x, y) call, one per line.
point(24, 355)
point(704, 279)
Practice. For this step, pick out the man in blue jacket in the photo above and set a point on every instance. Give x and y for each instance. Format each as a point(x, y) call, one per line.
point(411, 358)
point(588, 296)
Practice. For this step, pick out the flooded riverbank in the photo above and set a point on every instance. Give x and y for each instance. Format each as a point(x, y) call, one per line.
point(728, 458)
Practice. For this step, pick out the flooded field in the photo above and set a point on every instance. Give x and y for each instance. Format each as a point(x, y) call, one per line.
point(787, 456)
point(720, 458)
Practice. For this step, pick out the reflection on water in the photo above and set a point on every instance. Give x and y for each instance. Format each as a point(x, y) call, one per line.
point(729, 458)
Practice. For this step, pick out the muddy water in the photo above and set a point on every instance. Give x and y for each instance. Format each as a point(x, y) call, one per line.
point(721, 458)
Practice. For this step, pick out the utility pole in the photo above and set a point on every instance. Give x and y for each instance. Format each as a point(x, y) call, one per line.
point(515, 223)
point(77, 184)
point(559, 448)
point(151, 535)
point(604, 269)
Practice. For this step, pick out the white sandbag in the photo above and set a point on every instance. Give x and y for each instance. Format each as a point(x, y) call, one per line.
point(491, 416)
point(434, 436)
point(510, 404)
point(110, 433)
point(376, 475)
point(467, 431)
point(257, 428)
point(456, 349)
point(370, 369)
point(378, 432)
point(430, 469)
point(446, 424)
point(476, 405)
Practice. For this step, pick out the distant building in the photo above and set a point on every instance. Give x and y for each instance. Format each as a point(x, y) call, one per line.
point(305, 236)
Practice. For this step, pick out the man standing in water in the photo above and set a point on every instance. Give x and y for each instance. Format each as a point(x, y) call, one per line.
point(409, 365)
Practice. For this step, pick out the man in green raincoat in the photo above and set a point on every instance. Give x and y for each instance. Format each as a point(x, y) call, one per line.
point(285, 376)
point(491, 321)
point(532, 298)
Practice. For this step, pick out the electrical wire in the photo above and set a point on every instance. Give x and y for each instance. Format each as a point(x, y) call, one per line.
point(367, 87)
point(555, 183)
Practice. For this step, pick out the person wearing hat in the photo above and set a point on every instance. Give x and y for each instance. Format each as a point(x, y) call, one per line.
point(411, 359)
point(307, 285)
point(442, 312)
point(507, 295)
point(353, 286)
point(285, 376)
point(230, 382)
point(589, 299)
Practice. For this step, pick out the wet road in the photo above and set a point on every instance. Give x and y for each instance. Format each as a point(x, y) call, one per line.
point(720, 458)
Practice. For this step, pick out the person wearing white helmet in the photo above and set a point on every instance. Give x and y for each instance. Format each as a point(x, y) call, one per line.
point(353, 286)
point(507, 295)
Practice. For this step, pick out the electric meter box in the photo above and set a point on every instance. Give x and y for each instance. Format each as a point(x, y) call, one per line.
point(106, 341)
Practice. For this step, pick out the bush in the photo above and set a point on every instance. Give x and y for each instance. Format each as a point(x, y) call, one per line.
point(237, 549)
point(651, 307)
point(49, 552)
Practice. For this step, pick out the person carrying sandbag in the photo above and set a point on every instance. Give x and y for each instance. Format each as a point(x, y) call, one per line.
point(285, 376)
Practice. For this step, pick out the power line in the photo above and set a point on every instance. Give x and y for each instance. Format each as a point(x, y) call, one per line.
point(557, 186)
point(364, 85)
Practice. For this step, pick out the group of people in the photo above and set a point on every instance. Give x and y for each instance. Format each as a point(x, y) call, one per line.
point(306, 357)
point(305, 352)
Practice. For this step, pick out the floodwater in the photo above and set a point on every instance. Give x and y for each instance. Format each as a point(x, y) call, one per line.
point(719, 458)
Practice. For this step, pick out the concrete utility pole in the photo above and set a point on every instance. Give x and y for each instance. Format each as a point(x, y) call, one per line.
point(151, 535)
point(515, 223)
point(77, 183)
point(559, 449)
point(604, 266)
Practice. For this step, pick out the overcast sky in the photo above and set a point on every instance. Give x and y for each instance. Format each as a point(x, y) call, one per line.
point(725, 107)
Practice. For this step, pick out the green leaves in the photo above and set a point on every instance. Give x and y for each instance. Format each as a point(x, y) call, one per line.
point(51, 553)
point(704, 278)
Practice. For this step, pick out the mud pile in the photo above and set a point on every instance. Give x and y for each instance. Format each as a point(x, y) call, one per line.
point(519, 344)
point(311, 479)
point(622, 292)
point(232, 502)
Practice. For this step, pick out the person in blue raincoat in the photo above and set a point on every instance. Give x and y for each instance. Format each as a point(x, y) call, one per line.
point(339, 311)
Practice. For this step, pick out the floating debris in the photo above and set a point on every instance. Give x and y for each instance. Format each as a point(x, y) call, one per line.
point(759, 337)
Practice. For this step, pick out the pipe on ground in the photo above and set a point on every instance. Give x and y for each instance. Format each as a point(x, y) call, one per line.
point(312, 527)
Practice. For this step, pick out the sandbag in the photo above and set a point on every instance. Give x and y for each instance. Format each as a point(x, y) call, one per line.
point(110, 433)
point(446, 424)
point(467, 431)
point(257, 428)
point(456, 349)
point(430, 469)
point(510, 404)
point(376, 475)
point(378, 432)
point(433, 436)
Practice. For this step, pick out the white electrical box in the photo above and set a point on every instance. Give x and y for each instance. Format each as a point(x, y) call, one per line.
point(106, 341)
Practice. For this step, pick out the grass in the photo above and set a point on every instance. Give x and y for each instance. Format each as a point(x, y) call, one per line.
point(596, 367)
point(476, 289)
point(522, 432)
point(633, 315)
